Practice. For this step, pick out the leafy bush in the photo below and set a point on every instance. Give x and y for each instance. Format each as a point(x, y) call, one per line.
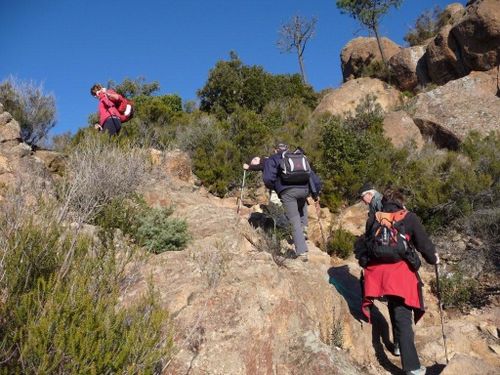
point(30, 106)
point(232, 84)
point(341, 244)
point(60, 305)
point(158, 232)
point(122, 213)
point(456, 290)
point(376, 69)
point(426, 26)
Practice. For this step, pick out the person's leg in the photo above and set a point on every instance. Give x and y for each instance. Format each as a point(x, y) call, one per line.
point(302, 205)
point(289, 199)
point(112, 125)
point(395, 331)
point(403, 321)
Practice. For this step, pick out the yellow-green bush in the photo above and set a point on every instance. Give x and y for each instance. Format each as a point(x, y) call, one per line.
point(341, 244)
point(456, 290)
point(60, 305)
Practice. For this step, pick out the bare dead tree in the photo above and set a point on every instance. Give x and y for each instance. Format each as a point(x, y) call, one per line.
point(294, 36)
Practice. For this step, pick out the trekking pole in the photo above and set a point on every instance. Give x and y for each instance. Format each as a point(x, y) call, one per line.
point(241, 193)
point(318, 213)
point(438, 289)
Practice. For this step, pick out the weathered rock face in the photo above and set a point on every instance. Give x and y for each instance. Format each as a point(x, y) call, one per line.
point(347, 97)
point(448, 113)
point(352, 219)
point(360, 52)
point(236, 311)
point(409, 68)
point(478, 35)
point(443, 58)
point(401, 130)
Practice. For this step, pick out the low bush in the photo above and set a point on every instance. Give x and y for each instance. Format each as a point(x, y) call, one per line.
point(159, 232)
point(61, 308)
point(341, 244)
point(456, 290)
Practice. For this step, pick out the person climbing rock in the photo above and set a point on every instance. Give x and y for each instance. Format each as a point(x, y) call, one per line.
point(391, 271)
point(289, 174)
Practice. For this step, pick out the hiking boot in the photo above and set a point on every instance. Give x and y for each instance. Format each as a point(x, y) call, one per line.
point(420, 371)
point(396, 350)
point(303, 257)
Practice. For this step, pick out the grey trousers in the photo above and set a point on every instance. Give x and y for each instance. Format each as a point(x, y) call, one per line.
point(295, 205)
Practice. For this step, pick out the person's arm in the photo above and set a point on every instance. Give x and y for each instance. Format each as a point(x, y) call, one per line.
point(420, 239)
point(270, 173)
point(103, 98)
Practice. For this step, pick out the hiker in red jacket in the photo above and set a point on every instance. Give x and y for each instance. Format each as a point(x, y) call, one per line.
point(399, 281)
point(113, 108)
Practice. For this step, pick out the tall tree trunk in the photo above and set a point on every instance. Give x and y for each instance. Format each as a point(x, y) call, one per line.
point(379, 42)
point(381, 49)
point(302, 70)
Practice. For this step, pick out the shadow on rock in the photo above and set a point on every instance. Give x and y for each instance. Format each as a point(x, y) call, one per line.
point(381, 341)
point(349, 287)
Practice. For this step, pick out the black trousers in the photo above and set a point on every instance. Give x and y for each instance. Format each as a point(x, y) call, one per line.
point(112, 125)
point(402, 329)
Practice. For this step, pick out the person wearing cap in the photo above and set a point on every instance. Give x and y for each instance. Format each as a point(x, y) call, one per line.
point(373, 199)
point(293, 197)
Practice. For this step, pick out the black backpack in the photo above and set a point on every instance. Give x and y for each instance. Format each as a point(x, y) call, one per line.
point(389, 242)
point(294, 168)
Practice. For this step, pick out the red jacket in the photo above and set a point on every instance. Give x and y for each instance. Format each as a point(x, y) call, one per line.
point(108, 105)
point(394, 279)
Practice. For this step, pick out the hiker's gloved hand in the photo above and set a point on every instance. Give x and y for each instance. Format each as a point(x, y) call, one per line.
point(437, 259)
point(315, 197)
point(246, 166)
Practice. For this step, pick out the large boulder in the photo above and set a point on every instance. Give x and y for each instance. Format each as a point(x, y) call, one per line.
point(234, 309)
point(443, 58)
point(401, 130)
point(344, 100)
point(409, 68)
point(448, 113)
point(478, 35)
point(362, 51)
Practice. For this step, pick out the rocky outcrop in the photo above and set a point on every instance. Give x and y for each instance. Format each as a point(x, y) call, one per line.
point(401, 130)
point(19, 168)
point(478, 35)
point(448, 113)
point(409, 68)
point(346, 98)
point(352, 219)
point(362, 51)
point(443, 58)
point(452, 13)
point(235, 309)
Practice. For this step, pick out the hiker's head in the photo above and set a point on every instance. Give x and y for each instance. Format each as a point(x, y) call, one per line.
point(280, 147)
point(367, 192)
point(95, 89)
point(394, 195)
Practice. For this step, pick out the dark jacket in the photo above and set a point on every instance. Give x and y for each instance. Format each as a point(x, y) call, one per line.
point(272, 179)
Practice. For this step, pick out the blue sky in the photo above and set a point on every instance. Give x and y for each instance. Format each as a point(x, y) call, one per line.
point(69, 45)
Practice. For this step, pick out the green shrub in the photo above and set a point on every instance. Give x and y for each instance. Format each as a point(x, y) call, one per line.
point(61, 308)
point(341, 244)
point(158, 232)
point(456, 290)
point(121, 213)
